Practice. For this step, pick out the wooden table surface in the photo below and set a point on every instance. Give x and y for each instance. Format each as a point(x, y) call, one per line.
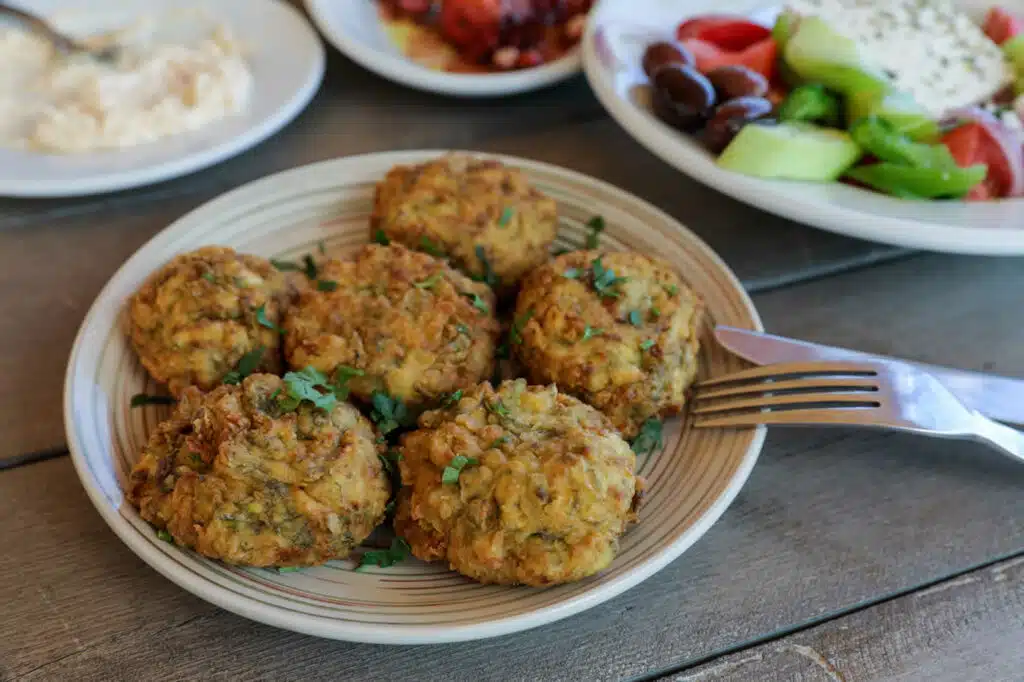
point(849, 556)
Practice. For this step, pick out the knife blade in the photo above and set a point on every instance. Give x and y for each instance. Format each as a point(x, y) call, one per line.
point(999, 398)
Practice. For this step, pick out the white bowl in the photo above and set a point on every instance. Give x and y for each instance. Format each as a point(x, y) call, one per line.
point(355, 28)
point(690, 482)
point(613, 45)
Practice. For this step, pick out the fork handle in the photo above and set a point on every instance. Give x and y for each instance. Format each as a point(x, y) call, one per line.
point(1007, 440)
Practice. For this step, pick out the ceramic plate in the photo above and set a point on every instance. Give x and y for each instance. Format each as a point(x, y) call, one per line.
point(355, 28)
point(287, 61)
point(613, 45)
point(691, 481)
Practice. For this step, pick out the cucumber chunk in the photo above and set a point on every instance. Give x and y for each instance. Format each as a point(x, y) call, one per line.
point(793, 151)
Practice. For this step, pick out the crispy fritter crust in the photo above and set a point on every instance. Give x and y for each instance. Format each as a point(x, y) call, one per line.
point(231, 477)
point(406, 319)
point(194, 318)
point(457, 204)
point(552, 489)
point(641, 353)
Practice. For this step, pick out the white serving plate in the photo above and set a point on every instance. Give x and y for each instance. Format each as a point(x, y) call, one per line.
point(613, 45)
point(287, 61)
point(355, 28)
point(691, 482)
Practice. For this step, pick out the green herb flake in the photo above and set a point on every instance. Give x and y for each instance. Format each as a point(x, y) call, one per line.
point(489, 277)
point(311, 385)
point(506, 216)
point(165, 536)
point(605, 280)
point(672, 289)
point(390, 461)
point(326, 285)
point(381, 238)
point(499, 441)
point(384, 558)
point(389, 508)
point(647, 345)
point(429, 282)
point(321, 247)
point(635, 318)
point(309, 266)
point(596, 225)
point(430, 247)
point(141, 399)
point(339, 382)
point(655, 313)
point(195, 457)
point(261, 317)
point(649, 439)
point(515, 332)
point(389, 413)
point(590, 332)
point(452, 398)
point(462, 329)
point(285, 266)
point(572, 273)
point(209, 277)
point(289, 569)
point(478, 302)
point(497, 407)
point(450, 475)
point(246, 366)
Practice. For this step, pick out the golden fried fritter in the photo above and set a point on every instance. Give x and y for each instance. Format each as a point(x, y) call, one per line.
point(235, 477)
point(618, 330)
point(415, 327)
point(465, 208)
point(545, 490)
point(198, 315)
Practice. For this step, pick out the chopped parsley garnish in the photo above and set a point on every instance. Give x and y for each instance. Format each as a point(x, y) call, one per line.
point(429, 282)
point(339, 382)
point(309, 384)
point(451, 472)
point(590, 332)
point(381, 238)
point(462, 329)
point(321, 247)
point(390, 461)
point(388, 413)
point(384, 558)
point(655, 313)
point(596, 225)
point(452, 398)
point(489, 277)
point(164, 535)
point(246, 366)
point(478, 302)
point(261, 317)
point(506, 216)
point(646, 345)
point(649, 439)
point(572, 273)
point(635, 318)
point(497, 407)
point(672, 289)
point(515, 332)
point(430, 247)
point(284, 265)
point(605, 280)
point(326, 285)
point(309, 266)
point(209, 277)
point(140, 399)
point(499, 441)
point(289, 569)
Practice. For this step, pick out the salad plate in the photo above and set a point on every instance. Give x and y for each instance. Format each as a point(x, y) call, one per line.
point(691, 480)
point(357, 30)
point(614, 44)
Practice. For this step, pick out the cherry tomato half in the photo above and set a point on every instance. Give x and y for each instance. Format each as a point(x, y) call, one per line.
point(972, 143)
point(760, 57)
point(1000, 25)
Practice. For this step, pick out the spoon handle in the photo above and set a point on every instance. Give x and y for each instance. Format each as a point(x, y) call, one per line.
point(38, 25)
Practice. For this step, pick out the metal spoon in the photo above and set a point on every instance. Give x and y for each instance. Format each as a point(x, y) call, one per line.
point(63, 43)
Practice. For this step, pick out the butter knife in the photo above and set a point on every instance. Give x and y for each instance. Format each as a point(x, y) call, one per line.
point(999, 398)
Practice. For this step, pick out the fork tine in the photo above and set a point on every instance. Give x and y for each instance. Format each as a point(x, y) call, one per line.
point(790, 369)
point(792, 401)
point(793, 385)
point(808, 417)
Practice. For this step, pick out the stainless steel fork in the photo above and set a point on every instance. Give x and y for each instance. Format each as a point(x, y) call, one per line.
point(888, 395)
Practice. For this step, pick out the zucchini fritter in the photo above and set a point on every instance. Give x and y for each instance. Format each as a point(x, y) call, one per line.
point(415, 327)
point(235, 478)
point(461, 207)
point(618, 330)
point(197, 316)
point(546, 488)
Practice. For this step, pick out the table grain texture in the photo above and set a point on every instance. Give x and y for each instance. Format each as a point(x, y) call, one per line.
point(849, 556)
